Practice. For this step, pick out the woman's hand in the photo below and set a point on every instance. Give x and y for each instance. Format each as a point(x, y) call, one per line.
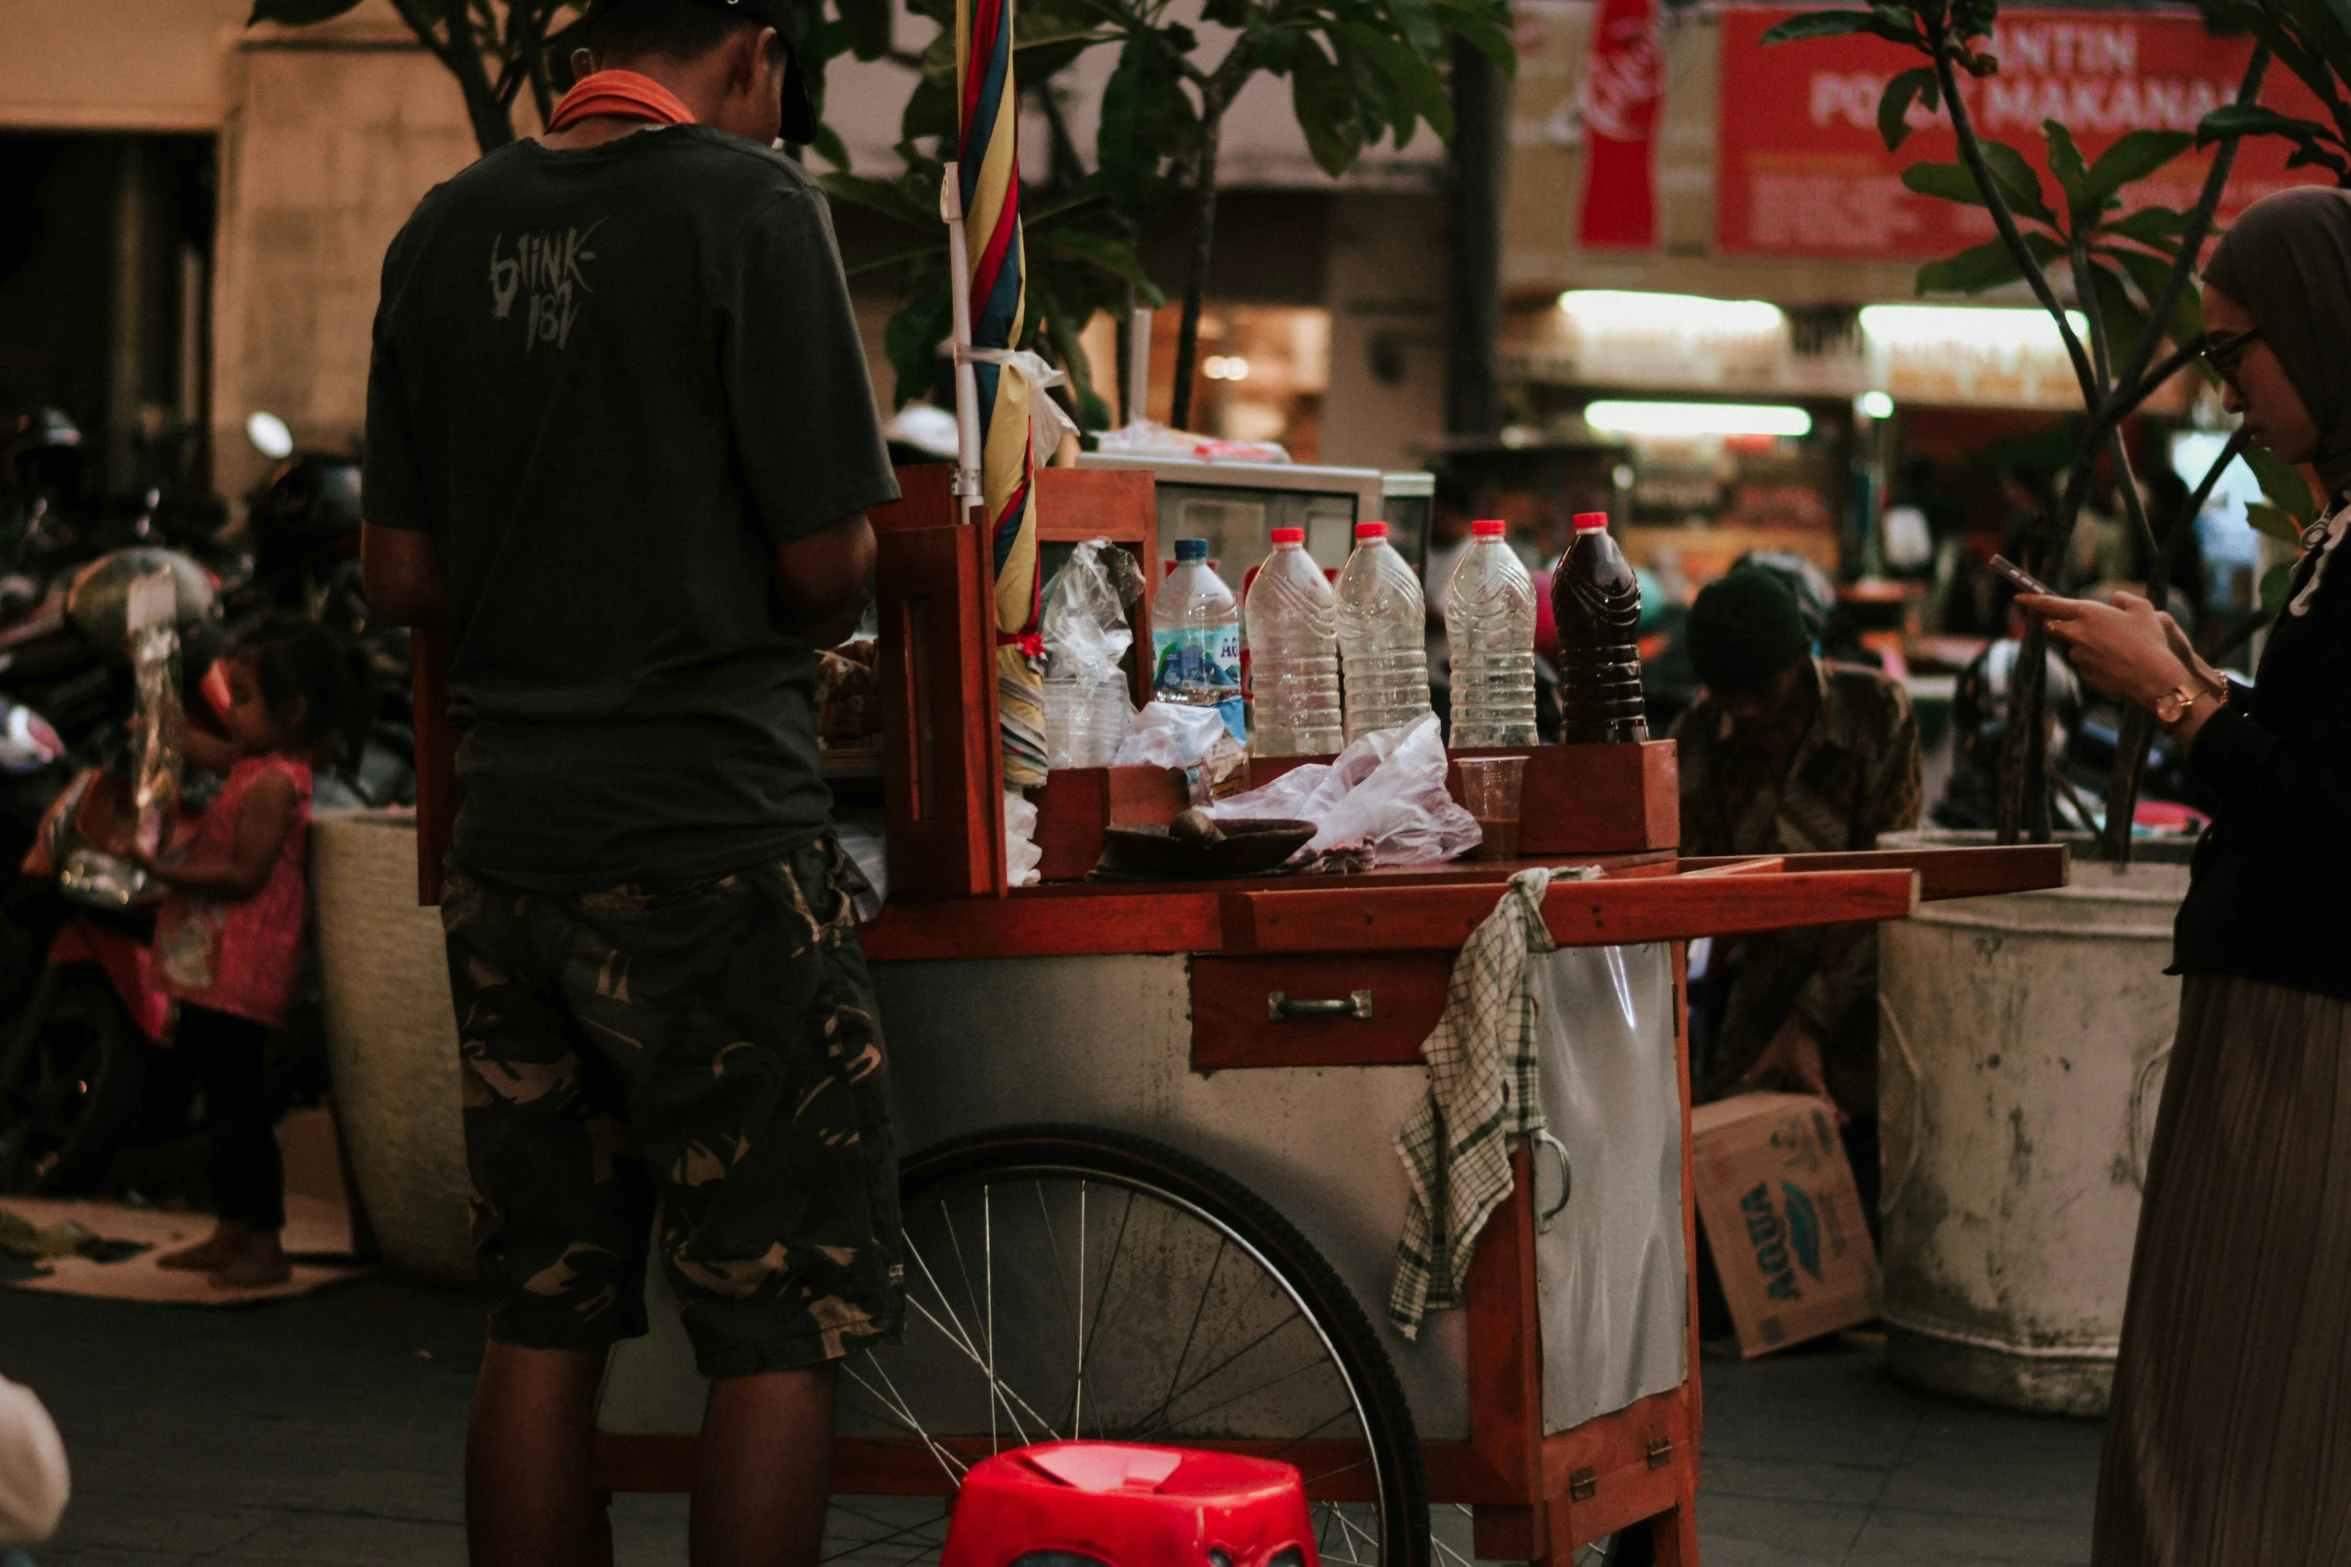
point(2125, 648)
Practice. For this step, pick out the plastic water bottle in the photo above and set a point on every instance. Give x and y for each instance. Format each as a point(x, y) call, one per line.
point(1196, 639)
point(1293, 654)
point(1383, 631)
point(1596, 601)
point(1490, 625)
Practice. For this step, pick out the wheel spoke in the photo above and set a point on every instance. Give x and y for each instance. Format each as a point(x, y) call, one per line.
point(1180, 1339)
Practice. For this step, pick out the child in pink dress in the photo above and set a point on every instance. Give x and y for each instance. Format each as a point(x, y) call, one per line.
point(228, 939)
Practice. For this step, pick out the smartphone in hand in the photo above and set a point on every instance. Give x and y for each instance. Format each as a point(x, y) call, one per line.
point(2025, 581)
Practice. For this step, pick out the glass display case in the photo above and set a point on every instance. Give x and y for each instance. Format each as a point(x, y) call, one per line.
point(1236, 506)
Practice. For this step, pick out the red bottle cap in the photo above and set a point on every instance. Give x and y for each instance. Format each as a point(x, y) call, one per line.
point(1489, 528)
point(1591, 522)
point(1365, 532)
point(1289, 535)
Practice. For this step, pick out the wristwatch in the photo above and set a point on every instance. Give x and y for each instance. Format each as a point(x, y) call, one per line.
point(2181, 700)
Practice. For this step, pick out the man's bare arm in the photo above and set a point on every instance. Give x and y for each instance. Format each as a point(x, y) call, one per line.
point(403, 575)
point(820, 579)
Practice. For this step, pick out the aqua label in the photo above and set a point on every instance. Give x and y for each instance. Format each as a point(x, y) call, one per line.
point(1783, 1244)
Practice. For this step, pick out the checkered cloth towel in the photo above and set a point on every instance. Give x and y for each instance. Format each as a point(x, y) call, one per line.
point(1483, 1091)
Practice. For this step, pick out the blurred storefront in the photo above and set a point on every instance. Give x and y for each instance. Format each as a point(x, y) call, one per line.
point(1755, 343)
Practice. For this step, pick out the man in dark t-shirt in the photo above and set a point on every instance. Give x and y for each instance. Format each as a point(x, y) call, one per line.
point(620, 447)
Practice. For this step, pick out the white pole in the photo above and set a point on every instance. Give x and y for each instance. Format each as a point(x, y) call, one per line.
point(967, 382)
point(1138, 366)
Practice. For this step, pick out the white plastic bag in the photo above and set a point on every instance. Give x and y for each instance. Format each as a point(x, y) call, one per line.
point(1386, 793)
point(1169, 734)
point(1021, 854)
point(1087, 632)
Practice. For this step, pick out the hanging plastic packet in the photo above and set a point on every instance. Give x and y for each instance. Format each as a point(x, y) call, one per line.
point(1087, 632)
point(157, 722)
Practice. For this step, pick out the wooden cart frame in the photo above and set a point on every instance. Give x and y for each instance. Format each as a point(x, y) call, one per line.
point(1534, 1496)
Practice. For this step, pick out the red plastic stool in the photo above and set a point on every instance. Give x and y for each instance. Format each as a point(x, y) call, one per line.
point(1106, 1504)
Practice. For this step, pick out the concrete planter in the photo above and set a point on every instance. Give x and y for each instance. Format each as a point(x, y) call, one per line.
point(2022, 1046)
point(391, 1040)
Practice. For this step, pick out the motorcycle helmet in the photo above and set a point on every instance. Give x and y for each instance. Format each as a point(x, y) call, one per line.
point(309, 500)
point(43, 455)
point(1979, 706)
point(99, 601)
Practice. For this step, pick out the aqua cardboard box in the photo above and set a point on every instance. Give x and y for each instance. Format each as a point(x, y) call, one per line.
point(1782, 1220)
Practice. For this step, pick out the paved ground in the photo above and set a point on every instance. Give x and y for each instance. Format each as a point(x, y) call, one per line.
point(327, 1431)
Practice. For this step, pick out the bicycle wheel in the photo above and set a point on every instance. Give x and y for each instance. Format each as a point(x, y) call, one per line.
point(1067, 1282)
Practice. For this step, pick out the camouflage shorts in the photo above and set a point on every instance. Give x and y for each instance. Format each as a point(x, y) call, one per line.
point(698, 1070)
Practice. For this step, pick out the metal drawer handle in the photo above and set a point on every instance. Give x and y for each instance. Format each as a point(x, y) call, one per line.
point(1279, 1008)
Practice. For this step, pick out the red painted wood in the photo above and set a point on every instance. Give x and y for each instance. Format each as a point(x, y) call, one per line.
point(1611, 911)
point(1230, 1028)
point(436, 761)
point(1078, 802)
point(1960, 872)
point(1577, 799)
point(1077, 504)
point(1505, 1343)
point(937, 743)
point(1627, 1489)
point(1022, 926)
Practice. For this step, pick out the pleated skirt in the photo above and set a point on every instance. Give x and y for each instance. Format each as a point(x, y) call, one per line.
point(2229, 1440)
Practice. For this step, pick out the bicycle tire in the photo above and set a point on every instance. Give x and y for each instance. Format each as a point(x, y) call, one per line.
point(1280, 1247)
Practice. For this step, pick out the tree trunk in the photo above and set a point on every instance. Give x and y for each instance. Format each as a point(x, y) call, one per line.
point(1203, 243)
point(493, 128)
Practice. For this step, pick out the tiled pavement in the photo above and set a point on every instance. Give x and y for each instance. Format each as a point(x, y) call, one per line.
point(327, 1432)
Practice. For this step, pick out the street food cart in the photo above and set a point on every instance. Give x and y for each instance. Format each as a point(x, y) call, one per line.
point(1148, 1135)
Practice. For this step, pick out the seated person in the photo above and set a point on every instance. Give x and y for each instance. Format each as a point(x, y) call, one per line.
point(1786, 753)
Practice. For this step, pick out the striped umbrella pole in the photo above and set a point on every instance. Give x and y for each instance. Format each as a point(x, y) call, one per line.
point(987, 174)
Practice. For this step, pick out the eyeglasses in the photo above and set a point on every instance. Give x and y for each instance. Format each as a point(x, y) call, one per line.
point(2224, 354)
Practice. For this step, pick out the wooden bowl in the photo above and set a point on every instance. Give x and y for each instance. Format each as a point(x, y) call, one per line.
point(1250, 845)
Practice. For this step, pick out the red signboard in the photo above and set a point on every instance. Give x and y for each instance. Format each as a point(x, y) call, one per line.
point(1802, 170)
point(1622, 84)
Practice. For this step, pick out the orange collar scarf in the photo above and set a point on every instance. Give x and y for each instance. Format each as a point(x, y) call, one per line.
point(626, 94)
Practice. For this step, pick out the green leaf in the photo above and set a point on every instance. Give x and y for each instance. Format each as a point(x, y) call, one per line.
point(2277, 584)
point(1983, 266)
point(2160, 227)
point(2065, 161)
point(868, 22)
point(1889, 22)
point(1325, 103)
point(2133, 158)
point(1950, 181)
point(829, 146)
point(912, 342)
point(1894, 106)
point(889, 198)
point(1414, 85)
point(2120, 317)
point(2269, 520)
point(298, 13)
point(2017, 181)
point(2152, 274)
point(2285, 487)
point(1093, 248)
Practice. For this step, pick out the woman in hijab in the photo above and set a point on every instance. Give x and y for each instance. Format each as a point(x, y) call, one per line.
point(2229, 1439)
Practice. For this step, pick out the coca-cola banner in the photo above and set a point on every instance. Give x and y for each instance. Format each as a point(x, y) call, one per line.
point(1624, 76)
point(1802, 170)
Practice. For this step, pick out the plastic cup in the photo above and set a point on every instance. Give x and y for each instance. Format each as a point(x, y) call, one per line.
point(1491, 788)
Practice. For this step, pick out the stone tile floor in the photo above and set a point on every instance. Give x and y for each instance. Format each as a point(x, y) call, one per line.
point(327, 1431)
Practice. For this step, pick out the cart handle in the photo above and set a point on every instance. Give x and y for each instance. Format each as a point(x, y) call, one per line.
point(1280, 1007)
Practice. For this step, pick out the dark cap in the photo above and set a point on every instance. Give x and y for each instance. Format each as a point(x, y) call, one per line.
point(799, 123)
point(1744, 629)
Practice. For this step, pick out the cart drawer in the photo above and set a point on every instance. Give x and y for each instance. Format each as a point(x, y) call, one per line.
point(1307, 1009)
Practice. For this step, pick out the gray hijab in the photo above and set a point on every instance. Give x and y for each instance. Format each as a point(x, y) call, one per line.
point(2287, 260)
